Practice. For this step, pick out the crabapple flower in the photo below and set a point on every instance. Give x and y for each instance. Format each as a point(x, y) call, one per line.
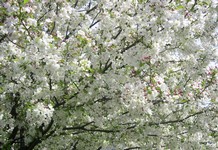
point(90, 74)
point(40, 114)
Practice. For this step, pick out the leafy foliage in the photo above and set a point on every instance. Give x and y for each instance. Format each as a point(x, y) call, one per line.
point(89, 74)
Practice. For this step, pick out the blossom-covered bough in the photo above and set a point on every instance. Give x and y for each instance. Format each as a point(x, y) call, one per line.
point(108, 74)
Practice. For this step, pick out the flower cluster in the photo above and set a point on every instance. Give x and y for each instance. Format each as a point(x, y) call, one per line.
point(129, 74)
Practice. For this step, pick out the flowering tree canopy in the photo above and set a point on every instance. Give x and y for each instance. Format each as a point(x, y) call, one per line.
point(108, 74)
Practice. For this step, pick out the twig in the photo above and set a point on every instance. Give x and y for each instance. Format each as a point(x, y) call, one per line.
point(93, 8)
point(131, 45)
point(14, 43)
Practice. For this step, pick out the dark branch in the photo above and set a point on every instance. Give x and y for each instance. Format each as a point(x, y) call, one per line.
point(3, 37)
point(27, 30)
point(132, 148)
point(76, 3)
point(53, 27)
point(15, 43)
point(176, 121)
point(74, 146)
point(34, 143)
point(119, 31)
point(93, 8)
point(193, 6)
point(48, 127)
point(83, 128)
point(94, 23)
point(78, 127)
point(14, 133)
point(131, 45)
point(38, 140)
point(107, 66)
point(99, 148)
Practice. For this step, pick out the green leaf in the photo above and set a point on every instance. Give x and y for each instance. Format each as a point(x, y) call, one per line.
point(142, 1)
point(25, 1)
point(179, 7)
point(213, 100)
point(203, 83)
point(149, 91)
point(184, 100)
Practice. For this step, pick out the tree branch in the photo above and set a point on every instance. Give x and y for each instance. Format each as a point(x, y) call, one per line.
point(193, 6)
point(90, 130)
point(131, 45)
point(3, 37)
point(15, 43)
point(107, 66)
point(26, 30)
point(176, 121)
point(132, 148)
point(94, 23)
point(119, 31)
point(93, 8)
point(76, 3)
